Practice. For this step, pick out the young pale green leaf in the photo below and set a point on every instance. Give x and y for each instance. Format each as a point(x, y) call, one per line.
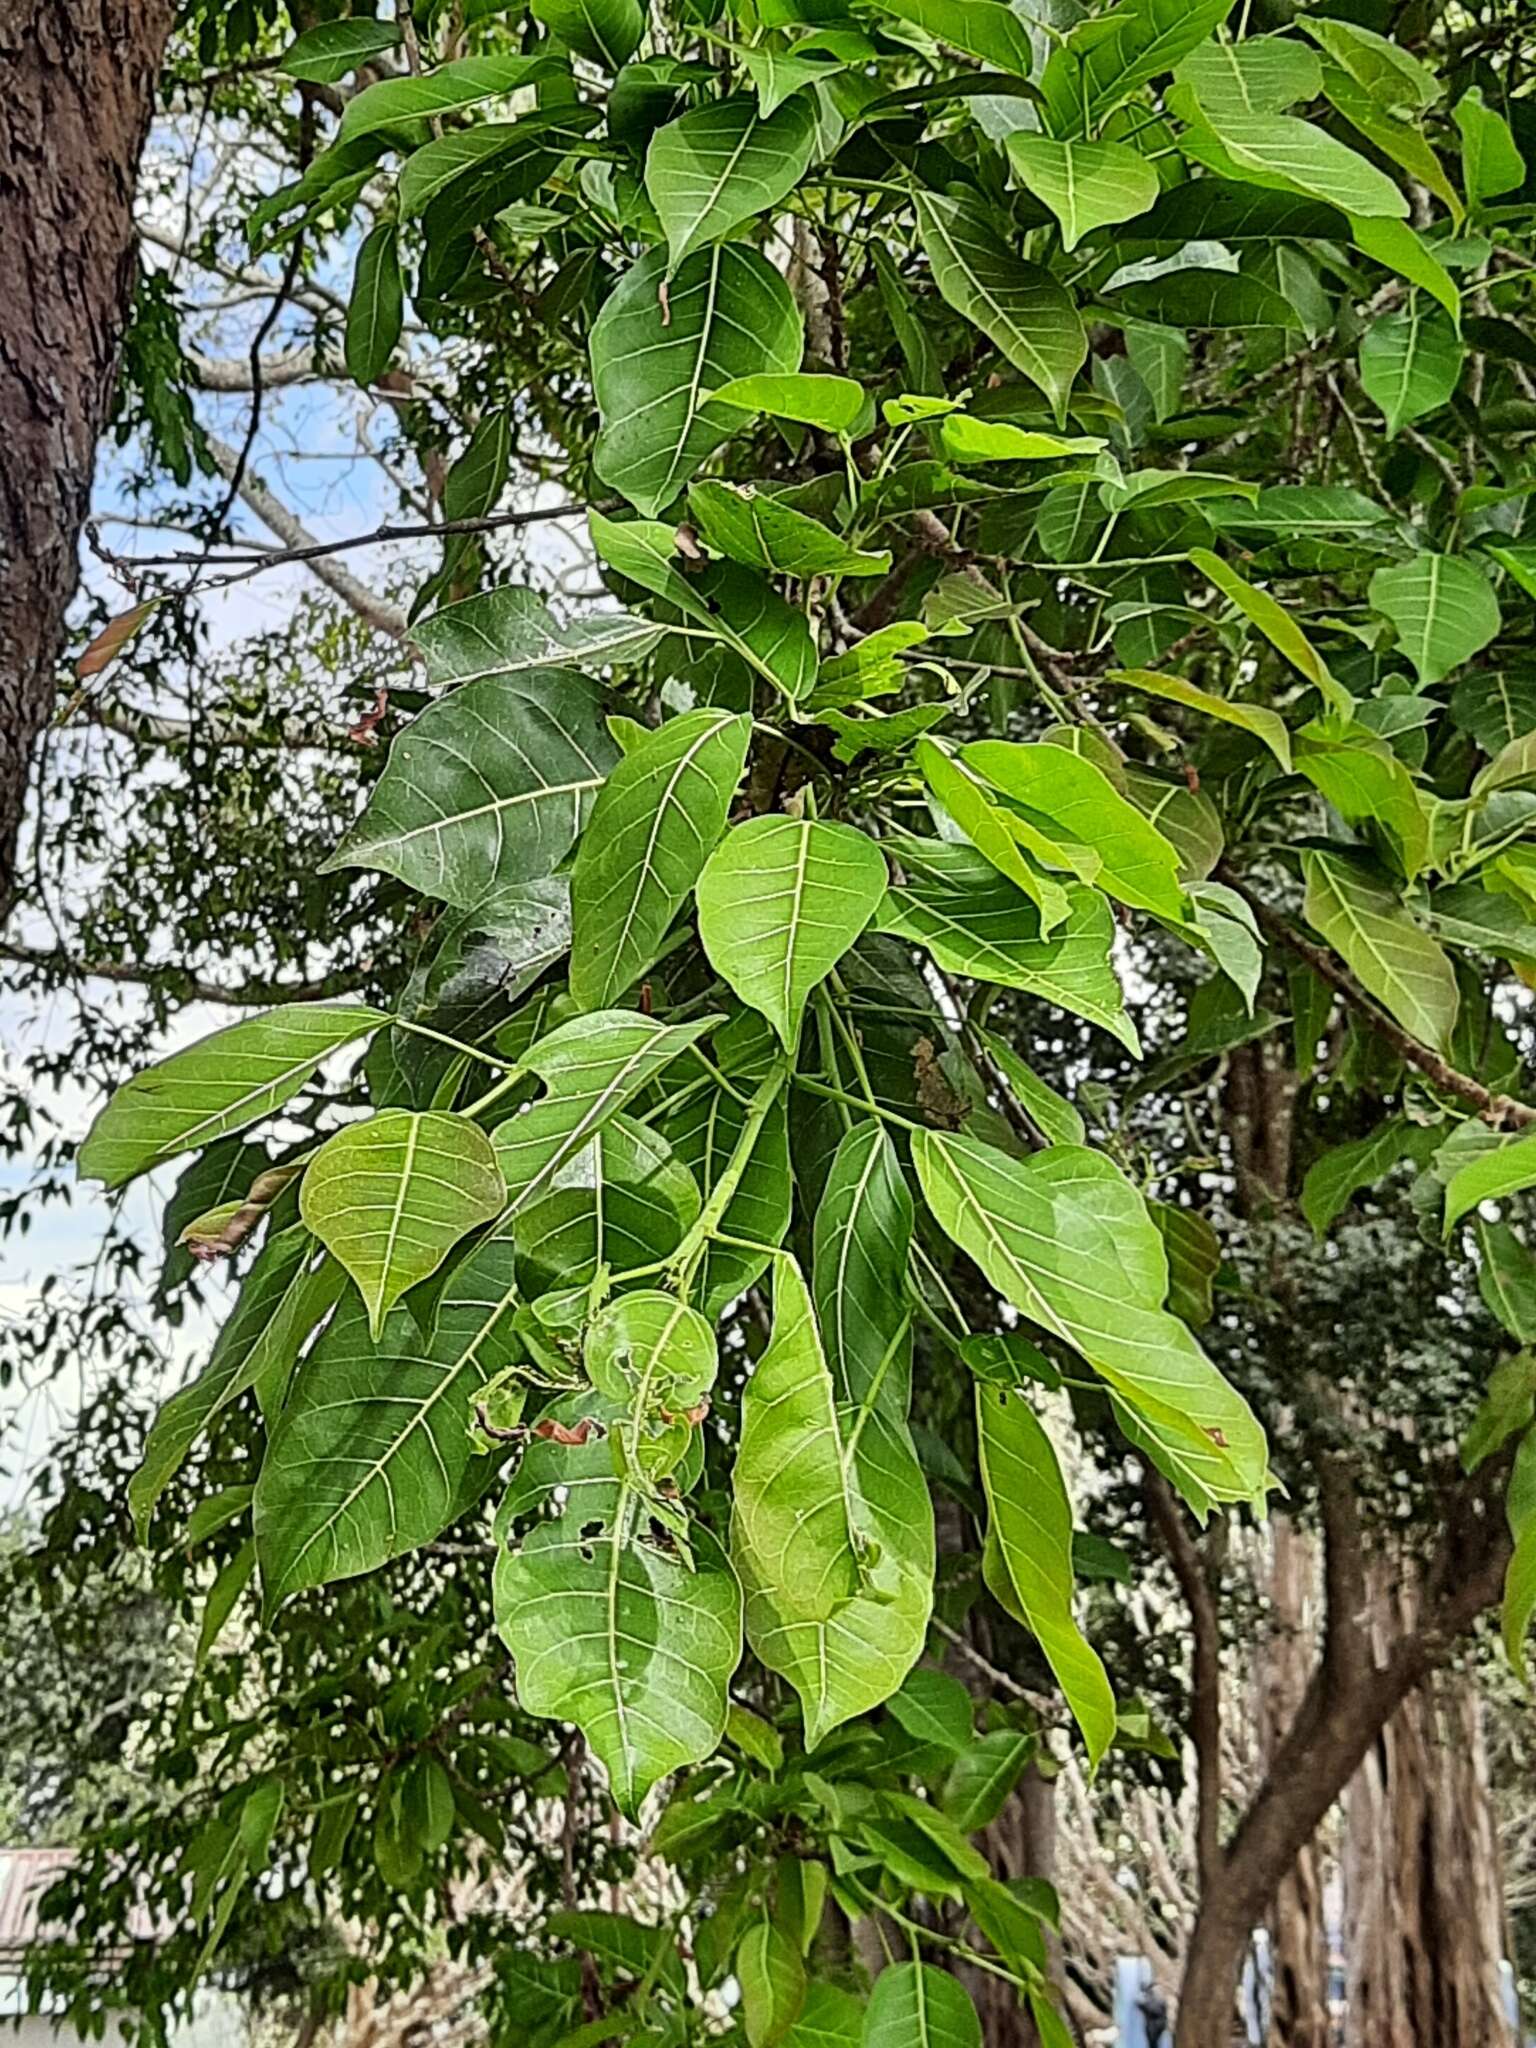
point(1259, 75)
point(914, 2005)
point(391, 1197)
point(1053, 1116)
point(758, 529)
point(1273, 621)
point(780, 902)
point(831, 1527)
point(654, 1357)
point(1267, 726)
point(373, 1450)
point(1398, 963)
point(1029, 1536)
point(222, 1083)
point(609, 1624)
point(1444, 610)
point(1403, 249)
point(592, 1067)
point(1017, 305)
point(1087, 185)
point(727, 313)
point(608, 32)
point(1077, 801)
point(723, 164)
point(651, 831)
point(445, 90)
point(976, 923)
point(1068, 1240)
point(376, 309)
point(988, 828)
point(863, 1230)
point(835, 404)
point(281, 1300)
point(771, 1972)
point(1506, 1168)
point(1368, 785)
point(1410, 364)
point(965, 439)
point(488, 786)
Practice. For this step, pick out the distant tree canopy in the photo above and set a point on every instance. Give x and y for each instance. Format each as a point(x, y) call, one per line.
point(814, 1116)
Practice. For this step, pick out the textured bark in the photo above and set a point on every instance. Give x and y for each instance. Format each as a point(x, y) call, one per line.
point(79, 91)
point(1423, 1901)
point(1298, 1932)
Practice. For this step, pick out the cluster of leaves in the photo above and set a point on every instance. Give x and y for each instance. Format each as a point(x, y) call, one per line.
point(962, 625)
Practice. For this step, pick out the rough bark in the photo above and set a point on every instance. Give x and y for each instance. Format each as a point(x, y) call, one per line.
point(1423, 1901)
point(1298, 1933)
point(79, 92)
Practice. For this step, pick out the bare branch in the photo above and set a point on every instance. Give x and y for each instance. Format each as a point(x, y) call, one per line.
point(57, 966)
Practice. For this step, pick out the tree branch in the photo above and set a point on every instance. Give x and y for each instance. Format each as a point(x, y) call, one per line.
point(151, 728)
point(59, 966)
point(1189, 1569)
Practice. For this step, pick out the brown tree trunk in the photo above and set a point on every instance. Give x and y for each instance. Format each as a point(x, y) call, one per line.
point(1298, 1936)
point(1423, 1901)
point(79, 91)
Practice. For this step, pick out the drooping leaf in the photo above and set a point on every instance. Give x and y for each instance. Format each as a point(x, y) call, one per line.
point(222, 1083)
point(724, 163)
point(650, 833)
point(391, 1197)
point(1017, 305)
point(862, 1233)
point(1491, 162)
point(989, 829)
point(771, 1973)
point(780, 902)
point(610, 1626)
point(1067, 1239)
point(1265, 725)
point(726, 313)
point(1029, 1534)
point(376, 309)
point(831, 1528)
point(488, 786)
point(373, 1448)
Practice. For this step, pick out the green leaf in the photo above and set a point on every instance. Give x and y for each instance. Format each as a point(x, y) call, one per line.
point(1519, 1600)
point(727, 314)
point(1403, 249)
point(1291, 155)
point(508, 631)
point(1506, 1407)
point(1068, 1240)
point(1079, 802)
point(1029, 1537)
point(1266, 726)
point(988, 829)
point(376, 309)
point(934, 1709)
point(835, 404)
point(487, 786)
point(1368, 785)
point(1410, 364)
point(606, 31)
point(222, 1083)
point(914, 2005)
point(1052, 1114)
point(391, 1198)
point(985, 29)
point(980, 1780)
point(446, 89)
point(1272, 620)
point(326, 53)
point(593, 1068)
point(1259, 75)
point(650, 833)
point(831, 1527)
point(1490, 161)
point(1371, 931)
point(863, 1230)
point(771, 1973)
point(704, 1135)
point(1110, 58)
point(976, 923)
point(609, 1624)
point(1507, 1168)
point(723, 164)
point(780, 902)
point(754, 527)
point(1343, 1169)
point(1194, 1259)
point(1019, 306)
point(371, 1455)
point(654, 1357)
point(1506, 1279)
point(281, 1300)
point(1444, 610)
point(1087, 185)
point(964, 439)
